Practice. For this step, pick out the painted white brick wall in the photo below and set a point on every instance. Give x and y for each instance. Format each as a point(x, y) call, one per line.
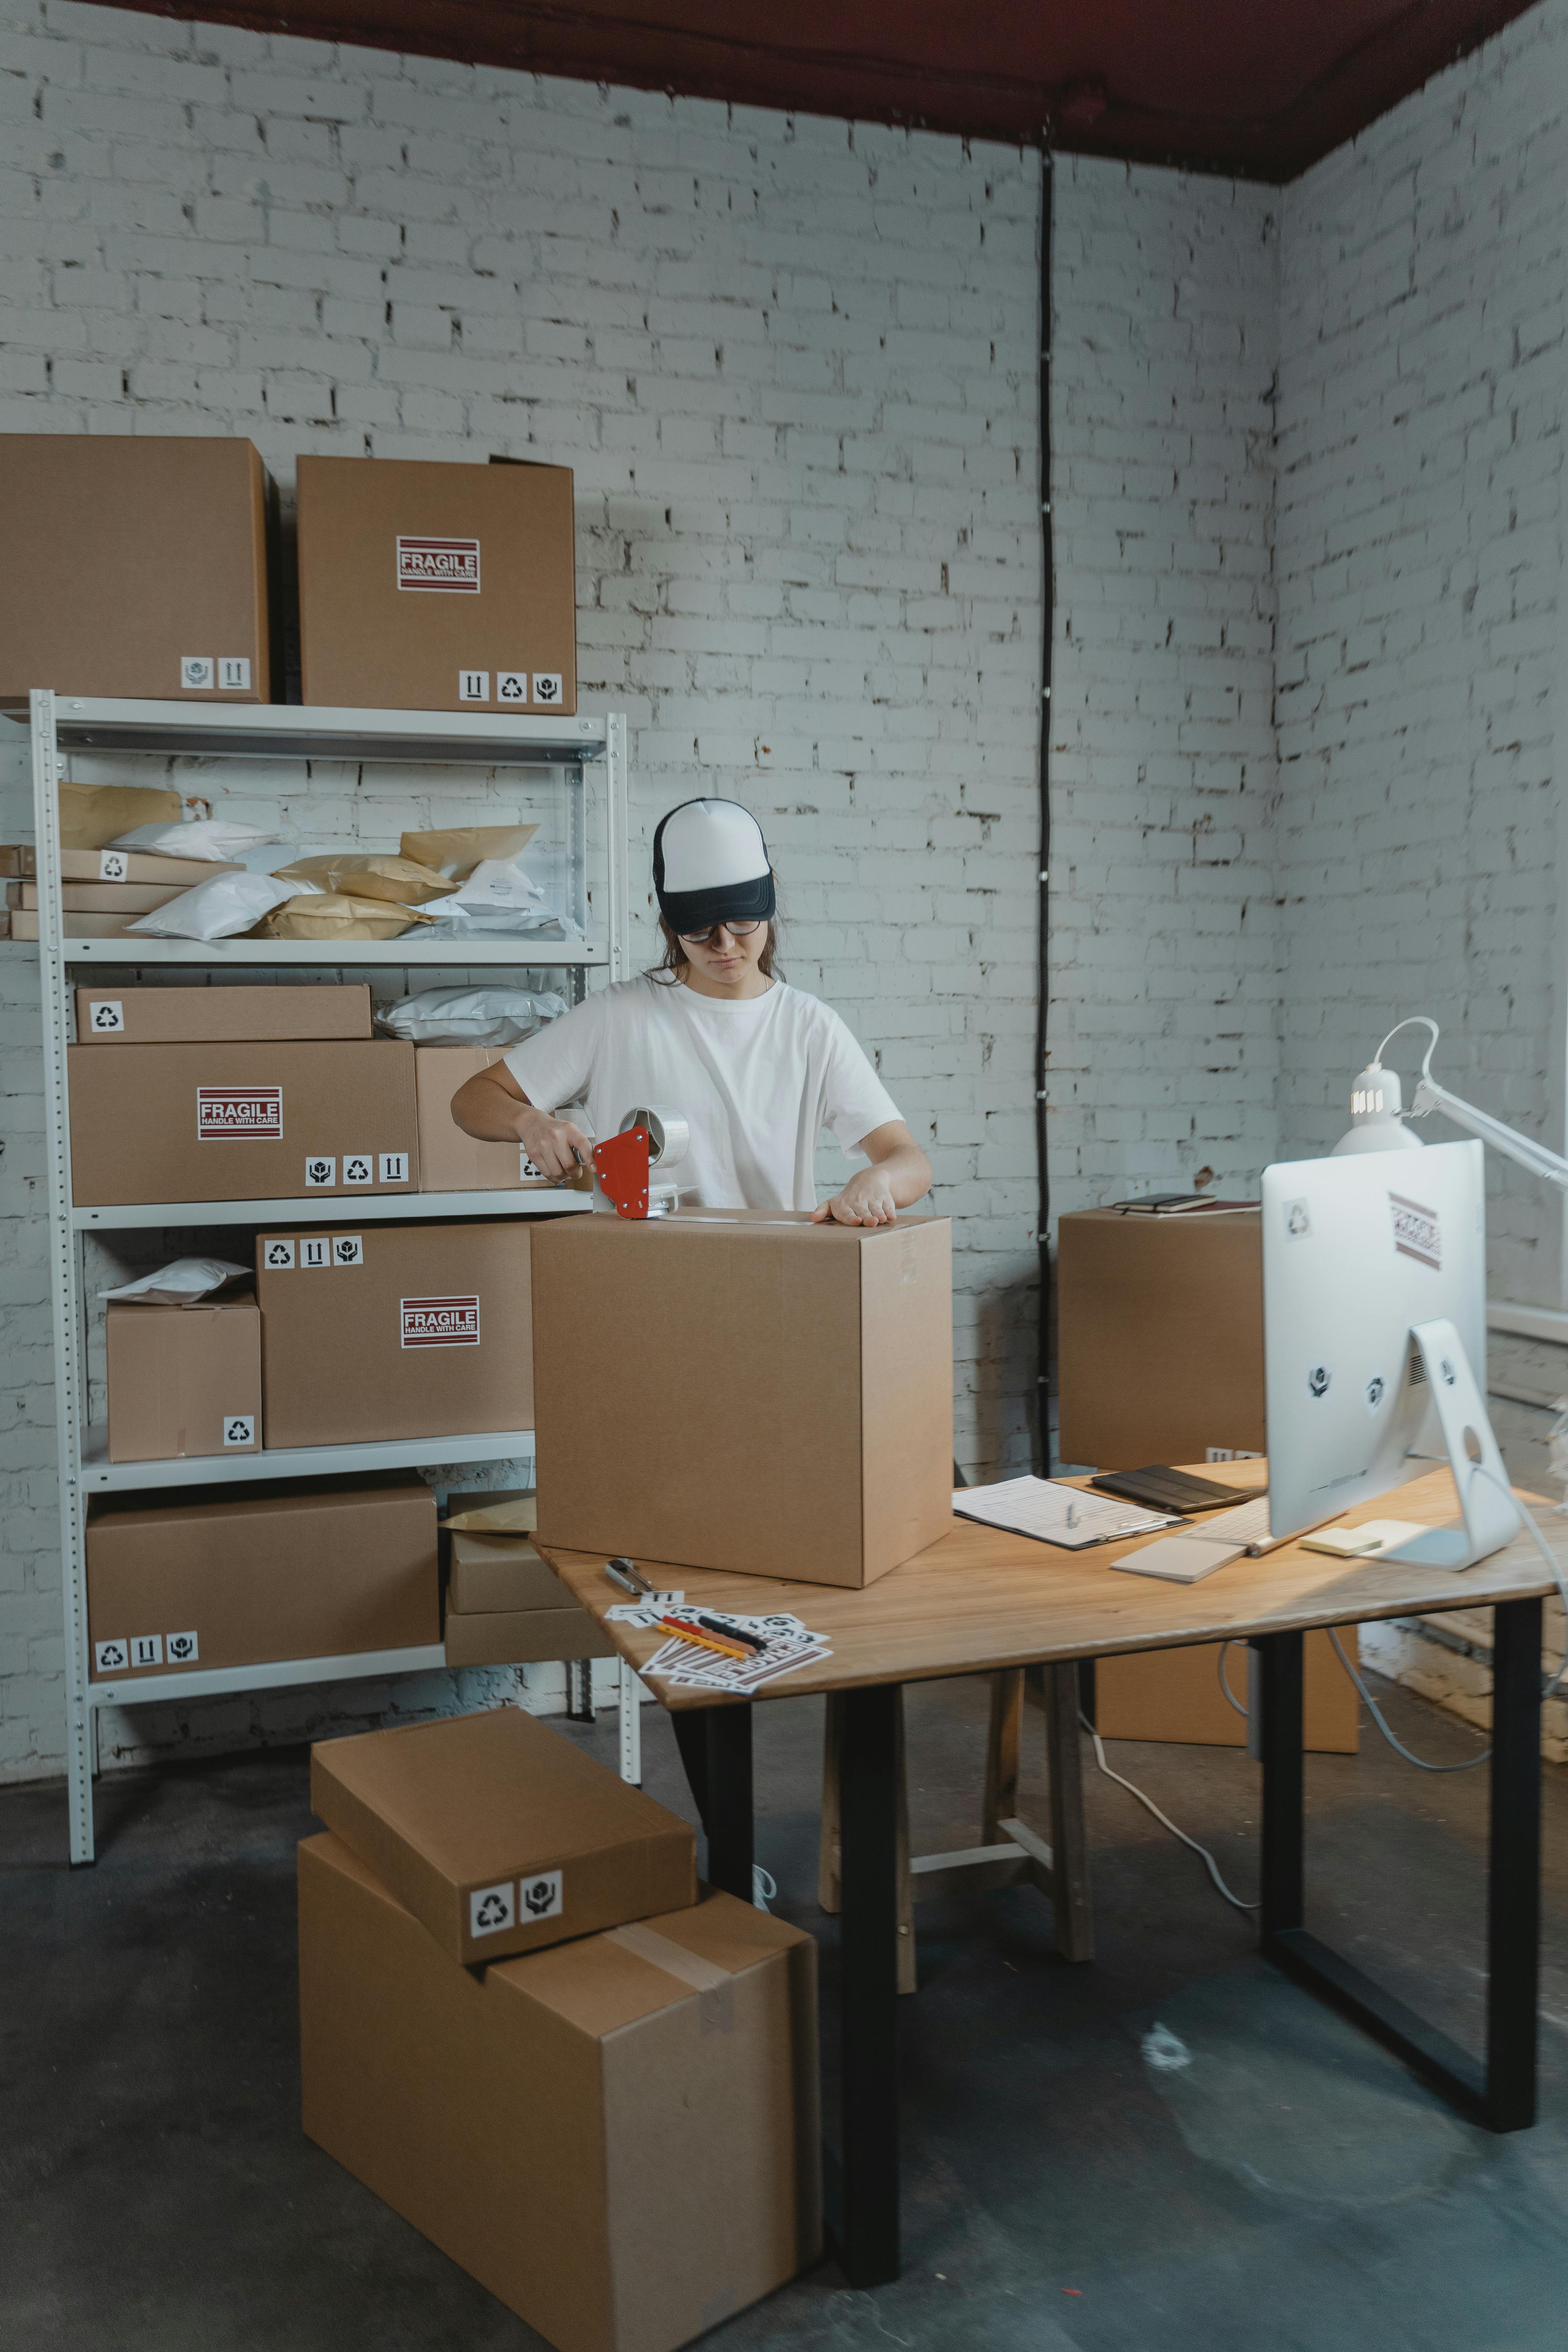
point(1418, 560)
point(794, 365)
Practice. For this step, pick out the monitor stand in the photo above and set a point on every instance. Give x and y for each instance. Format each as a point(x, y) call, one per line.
point(1491, 1516)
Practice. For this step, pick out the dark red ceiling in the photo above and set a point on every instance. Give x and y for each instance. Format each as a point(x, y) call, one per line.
point(1256, 87)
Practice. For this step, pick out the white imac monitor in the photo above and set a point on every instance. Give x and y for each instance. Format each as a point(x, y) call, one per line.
point(1375, 1341)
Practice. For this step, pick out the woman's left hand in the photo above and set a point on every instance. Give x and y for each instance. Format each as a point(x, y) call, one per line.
point(866, 1200)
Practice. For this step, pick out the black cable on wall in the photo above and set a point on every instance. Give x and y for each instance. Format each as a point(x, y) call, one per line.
point(1042, 1021)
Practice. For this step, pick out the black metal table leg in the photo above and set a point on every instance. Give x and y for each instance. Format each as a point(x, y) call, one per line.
point(1513, 1880)
point(727, 1815)
point(690, 1729)
point(869, 1796)
point(1283, 1892)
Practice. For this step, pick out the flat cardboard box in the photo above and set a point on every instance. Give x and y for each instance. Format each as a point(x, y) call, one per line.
point(20, 860)
point(450, 1160)
point(408, 1331)
point(183, 1380)
point(1159, 1336)
point(113, 1015)
point(1174, 1694)
point(437, 586)
point(523, 1637)
point(501, 1573)
point(137, 566)
point(823, 1451)
point(251, 1120)
point(123, 898)
point(464, 1819)
point(618, 2138)
point(234, 1576)
point(25, 925)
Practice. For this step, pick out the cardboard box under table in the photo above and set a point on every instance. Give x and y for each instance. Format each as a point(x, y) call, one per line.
point(113, 1015)
point(438, 587)
point(825, 1439)
point(136, 565)
point(242, 1120)
point(183, 1380)
point(386, 1331)
point(617, 2137)
point(233, 1576)
point(505, 1606)
point(499, 1835)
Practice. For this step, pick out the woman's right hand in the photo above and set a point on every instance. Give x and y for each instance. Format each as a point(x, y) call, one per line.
point(556, 1147)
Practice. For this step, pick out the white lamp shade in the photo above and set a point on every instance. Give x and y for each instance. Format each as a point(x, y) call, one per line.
point(1375, 1124)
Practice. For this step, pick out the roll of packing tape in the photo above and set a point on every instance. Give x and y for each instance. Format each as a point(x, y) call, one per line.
point(668, 1136)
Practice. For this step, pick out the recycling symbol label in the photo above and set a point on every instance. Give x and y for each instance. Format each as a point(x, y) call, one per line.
point(491, 1908)
point(278, 1254)
point(541, 1895)
point(358, 1168)
point(108, 1018)
point(239, 1429)
point(511, 686)
point(109, 1658)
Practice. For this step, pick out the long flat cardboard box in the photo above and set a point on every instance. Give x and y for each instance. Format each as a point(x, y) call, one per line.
point(183, 1380)
point(242, 1121)
point(823, 1452)
point(127, 898)
point(24, 921)
point(501, 1573)
point(617, 2137)
point(233, 1576)
point(499, 1835)
point(113, 1015)
point(523, 1637)
point(20, 859)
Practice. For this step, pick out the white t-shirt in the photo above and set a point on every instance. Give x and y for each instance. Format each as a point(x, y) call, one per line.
point(757, 1079)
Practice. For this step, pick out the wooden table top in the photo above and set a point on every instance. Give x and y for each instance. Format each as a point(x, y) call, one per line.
point(978, 1598)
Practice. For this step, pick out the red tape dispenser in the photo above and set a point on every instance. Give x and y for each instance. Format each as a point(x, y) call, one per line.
point(621, 1164)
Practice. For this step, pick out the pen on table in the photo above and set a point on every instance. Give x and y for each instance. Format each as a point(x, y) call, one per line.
point(690, 1632)
point(729, 1632)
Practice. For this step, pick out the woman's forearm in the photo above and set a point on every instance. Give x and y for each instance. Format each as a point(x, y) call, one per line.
point(487, 1109)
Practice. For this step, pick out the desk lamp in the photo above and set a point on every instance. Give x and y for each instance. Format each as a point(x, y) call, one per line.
point(1377, 1120)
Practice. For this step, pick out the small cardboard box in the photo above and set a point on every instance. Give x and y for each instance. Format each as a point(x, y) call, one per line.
point(183, 1380)
point(233, 1576)
point(1174, 1694)
point(436, 587)
point(1159, 1336)
point(243, 1121)
point(394, 1331)
point(499, 1835)
point(450, 1160)
point(617, 2137)
point(501, 1573)
point(136, 565)
point(823, 1451)
point(113, 1015)
point(523, 1637)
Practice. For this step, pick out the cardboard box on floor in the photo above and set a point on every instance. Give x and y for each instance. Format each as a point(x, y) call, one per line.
point(438, 587)
point(183, 1380)
point(136, 566)
point(113, 1015)
point(232, 1576)
point(242, 1120)
point(499, 1835)
point(392, 1331)
point(1174, 1694)
point(450, 1160)
point(824, 1449)
point(617, 2137)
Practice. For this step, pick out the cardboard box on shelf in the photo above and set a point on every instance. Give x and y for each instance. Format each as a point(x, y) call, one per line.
point(523, 1637)
point(450, 1160)
point(394, 1331)
point(433, 586)
point(25, 922)
point(183, 1380)
point(109, 1015)
point(138, 567)
point(1174, 1694)
point(243, 1121)
point(501, 1573)
point(499, 1835)
point(233, 1576)
point(824, 1453)
point(675, 2177)
point(126, 899)
point(1159, 1336)
point(20, 861)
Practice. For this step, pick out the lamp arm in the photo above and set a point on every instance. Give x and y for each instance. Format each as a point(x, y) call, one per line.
point(1431, 1096)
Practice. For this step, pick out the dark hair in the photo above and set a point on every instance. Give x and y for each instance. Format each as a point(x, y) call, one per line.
point(674, 961)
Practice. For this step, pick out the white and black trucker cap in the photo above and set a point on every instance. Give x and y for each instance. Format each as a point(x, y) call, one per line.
point(710, 865)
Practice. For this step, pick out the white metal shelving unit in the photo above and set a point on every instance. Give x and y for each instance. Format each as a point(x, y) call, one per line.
point(280, 733)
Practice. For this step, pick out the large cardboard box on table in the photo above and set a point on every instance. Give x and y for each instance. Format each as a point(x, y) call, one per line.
point(436, 587)
point(1159, 1336)
point(183, 1380)
point(499, 1835)
point(618, 2136)
point(233, 1576)
point(113, 1015)
point(242, 1120)
point(136, 565)
point(818, 1442)
point(389, 1332)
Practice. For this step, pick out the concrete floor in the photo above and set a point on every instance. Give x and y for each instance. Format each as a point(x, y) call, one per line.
point(1170, 2148)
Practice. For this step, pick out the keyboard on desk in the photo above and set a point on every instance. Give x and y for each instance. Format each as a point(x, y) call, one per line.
point(1247, 1525)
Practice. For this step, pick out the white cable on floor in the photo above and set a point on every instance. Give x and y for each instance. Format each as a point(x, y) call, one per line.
point(1164, 1821)
point(1398, 1746)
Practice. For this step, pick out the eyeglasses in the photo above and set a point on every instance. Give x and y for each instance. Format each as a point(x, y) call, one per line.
point(706, 938)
